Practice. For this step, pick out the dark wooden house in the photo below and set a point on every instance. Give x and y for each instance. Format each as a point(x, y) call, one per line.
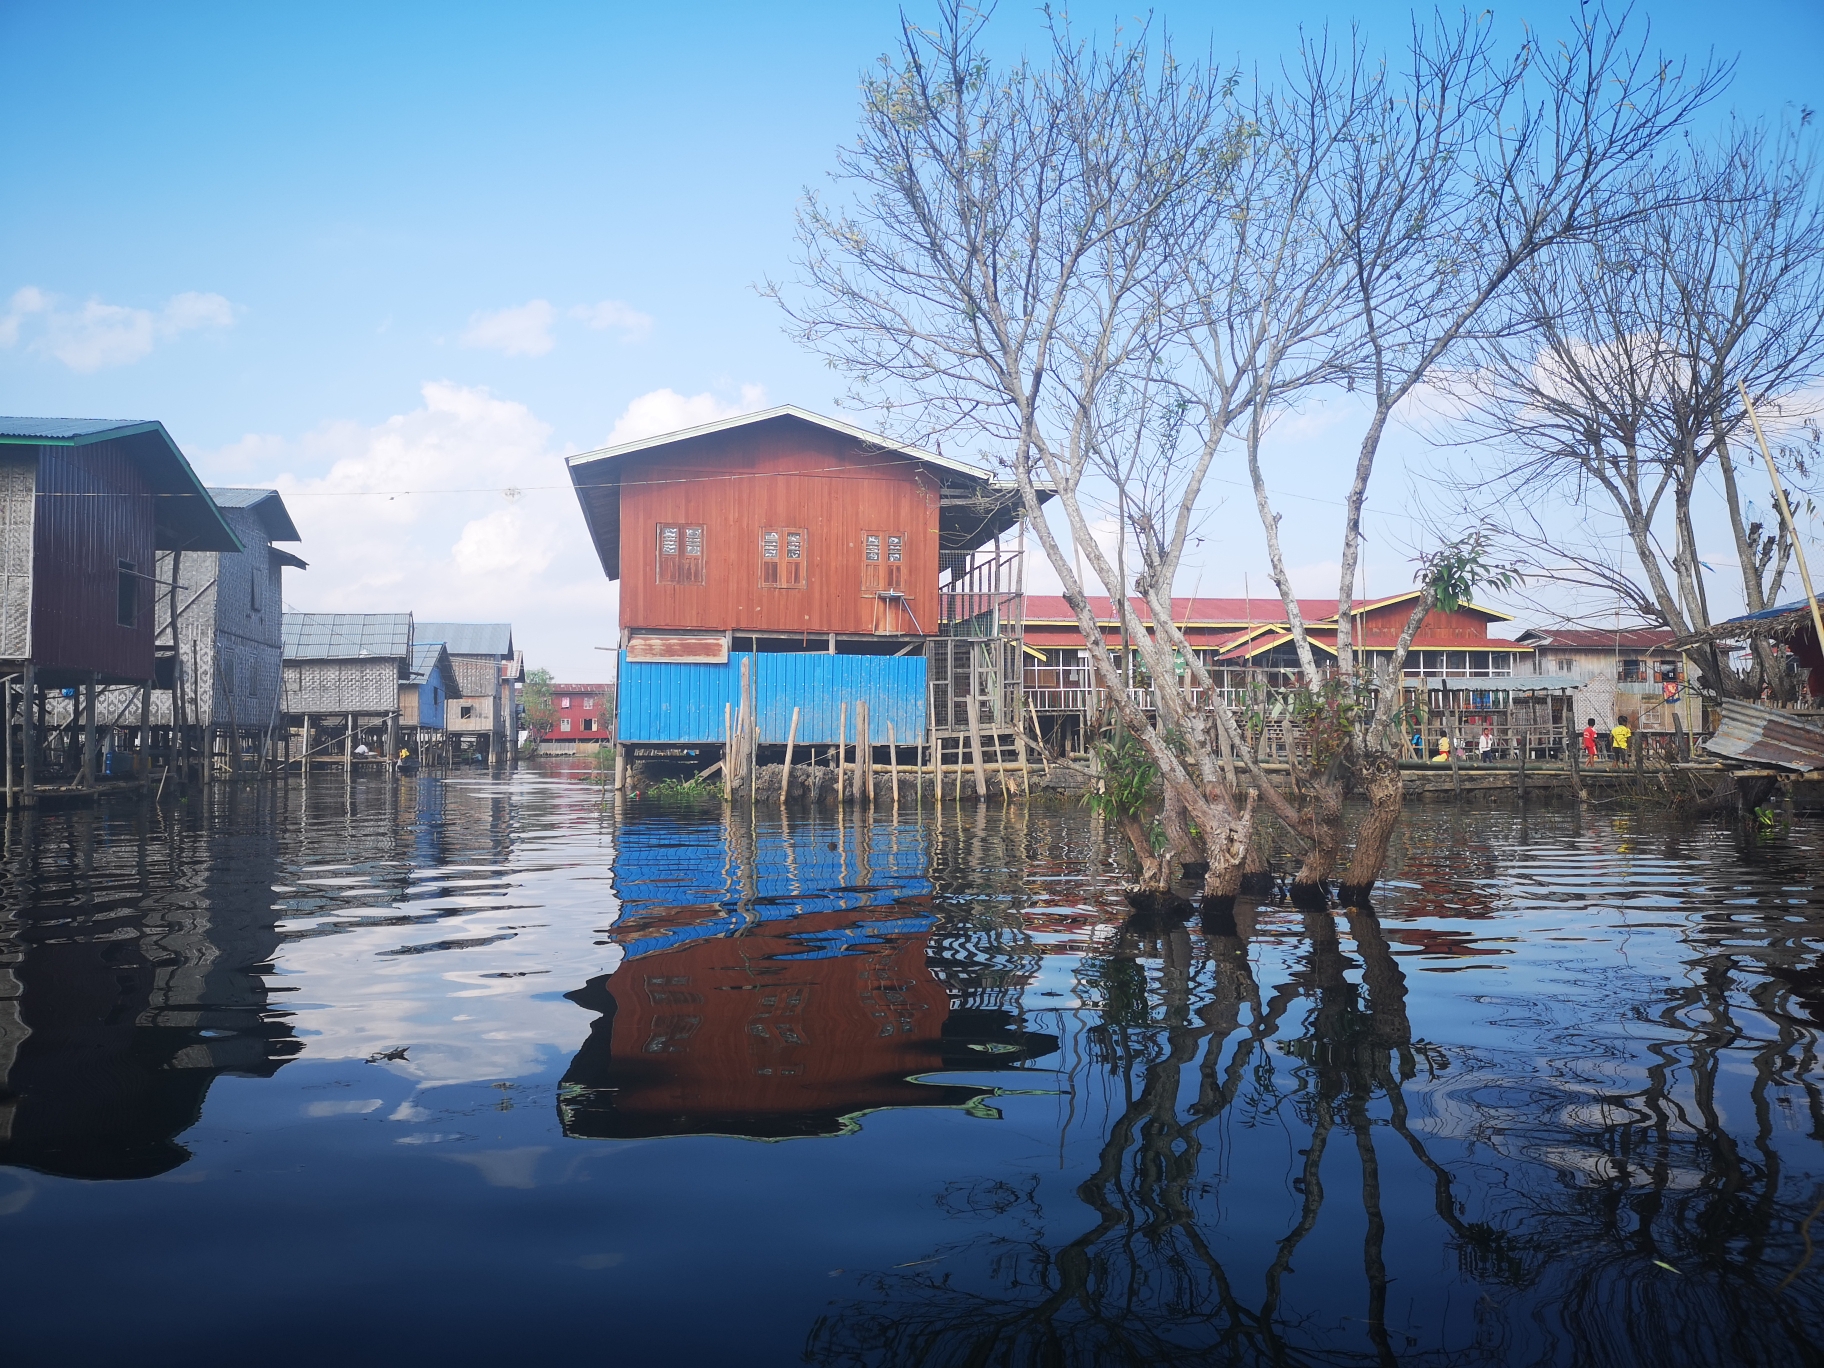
point(819, 561)
point(86, 508)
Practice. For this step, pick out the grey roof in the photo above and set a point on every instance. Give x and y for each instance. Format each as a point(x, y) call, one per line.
point(431, 655)
point(347, 636)
point(71, 429)
point(266, 505)
point(470, 638)
point(185, 518)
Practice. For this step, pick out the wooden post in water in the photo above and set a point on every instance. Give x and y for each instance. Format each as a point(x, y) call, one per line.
point(975, 751)
point(86, 701)
point(842, 743)
point(728, 751)
point(864, 752)
point(620, 768)
point(1038, 737)
point(28, 738)
point(1523, 750)
point(750, 729)
point(142, 763)
point(303, 762)
point(1456, 728)
point(348, 755)
point(893, 763)
point(785, 779)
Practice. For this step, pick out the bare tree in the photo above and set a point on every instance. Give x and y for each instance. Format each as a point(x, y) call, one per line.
point(1009, 268)
point(1437, 180)
point(1617, 383)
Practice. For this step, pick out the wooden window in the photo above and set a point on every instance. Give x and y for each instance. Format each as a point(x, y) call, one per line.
point(680, 553)
point(782, 557)
point(883, 563)
point(564, 702)
point(563, 724)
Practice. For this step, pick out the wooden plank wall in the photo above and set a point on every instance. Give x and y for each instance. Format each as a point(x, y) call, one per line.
point(733, 484)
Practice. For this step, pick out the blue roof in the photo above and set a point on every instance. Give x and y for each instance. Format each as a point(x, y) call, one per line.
point(470, 638)
point(1767, 614)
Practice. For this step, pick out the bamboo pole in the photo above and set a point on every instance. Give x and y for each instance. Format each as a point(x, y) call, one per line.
point(864, 751)
point(1038, 737)
point(728, 751)
point(842, 743)
point(1779, 492)
point(975, 751)
point(785, 780)
point(893, 763)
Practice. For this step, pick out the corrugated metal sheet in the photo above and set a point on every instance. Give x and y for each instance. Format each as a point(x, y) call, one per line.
point(1767, 736)
point(347, 636)
point(266, 504)
point(674, 703)
point(470, 638)
point(92, 514)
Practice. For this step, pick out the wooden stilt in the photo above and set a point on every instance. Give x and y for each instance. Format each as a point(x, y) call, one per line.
point(864, 751)
point(28, 737)
point(785, 779)
point(86, 701)
point(842, 742)
point(975, 750)
point(893, 763)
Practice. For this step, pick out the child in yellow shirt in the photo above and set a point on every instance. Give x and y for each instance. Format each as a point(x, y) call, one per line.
point(1619, 735)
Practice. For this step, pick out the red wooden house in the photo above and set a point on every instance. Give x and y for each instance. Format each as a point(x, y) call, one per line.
point(801, 544)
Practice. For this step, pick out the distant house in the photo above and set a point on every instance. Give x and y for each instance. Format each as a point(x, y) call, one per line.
point(487, 672)
point(424, 699)
point(344, 670)
point(585, 717)
point(1631, 671)
point(86, 508)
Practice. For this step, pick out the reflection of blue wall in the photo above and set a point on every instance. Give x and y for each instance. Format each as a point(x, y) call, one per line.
point(664, 866)
point(672, 702)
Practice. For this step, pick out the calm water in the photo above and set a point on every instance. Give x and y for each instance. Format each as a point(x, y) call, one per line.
point(468, 1071)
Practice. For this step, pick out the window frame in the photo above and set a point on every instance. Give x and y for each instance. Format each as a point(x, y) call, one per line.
point(679, 566)
point(883, 573)
point(783, 570)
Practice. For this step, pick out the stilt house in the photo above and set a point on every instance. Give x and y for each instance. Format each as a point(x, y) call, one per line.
point(425, 698)
point(828, 565)
point(86, 508)
point(487, 670)
point(343, 672)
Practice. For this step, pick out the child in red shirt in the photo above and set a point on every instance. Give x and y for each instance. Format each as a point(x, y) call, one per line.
point(1589, 742)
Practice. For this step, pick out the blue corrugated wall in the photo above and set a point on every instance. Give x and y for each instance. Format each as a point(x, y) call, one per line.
point(684, 703)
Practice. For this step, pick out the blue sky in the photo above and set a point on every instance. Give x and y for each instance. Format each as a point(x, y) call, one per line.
point(346, 248)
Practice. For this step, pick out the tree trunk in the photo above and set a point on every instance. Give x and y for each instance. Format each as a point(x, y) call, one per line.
point(1155, 866)
point(1324, 808)
point(1386, 790)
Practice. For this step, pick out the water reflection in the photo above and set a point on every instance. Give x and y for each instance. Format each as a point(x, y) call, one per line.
point(1557, 1099)
point(134, 980)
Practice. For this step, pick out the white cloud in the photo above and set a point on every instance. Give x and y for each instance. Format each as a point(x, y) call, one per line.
point(522, 330)
point(510, 547)
point(665, 410)
point(99, 335)
point(611, 313)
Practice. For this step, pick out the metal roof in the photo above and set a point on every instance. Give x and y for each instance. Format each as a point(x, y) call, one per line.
point(347, 636)
point(185, 518)
point(431, 655)
point(1761, 735)
point(266, 504)
point(767, 415)
point(470, 638)
point(974, 508)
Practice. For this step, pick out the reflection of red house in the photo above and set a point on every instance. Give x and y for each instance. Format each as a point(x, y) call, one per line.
point(776, 1033)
